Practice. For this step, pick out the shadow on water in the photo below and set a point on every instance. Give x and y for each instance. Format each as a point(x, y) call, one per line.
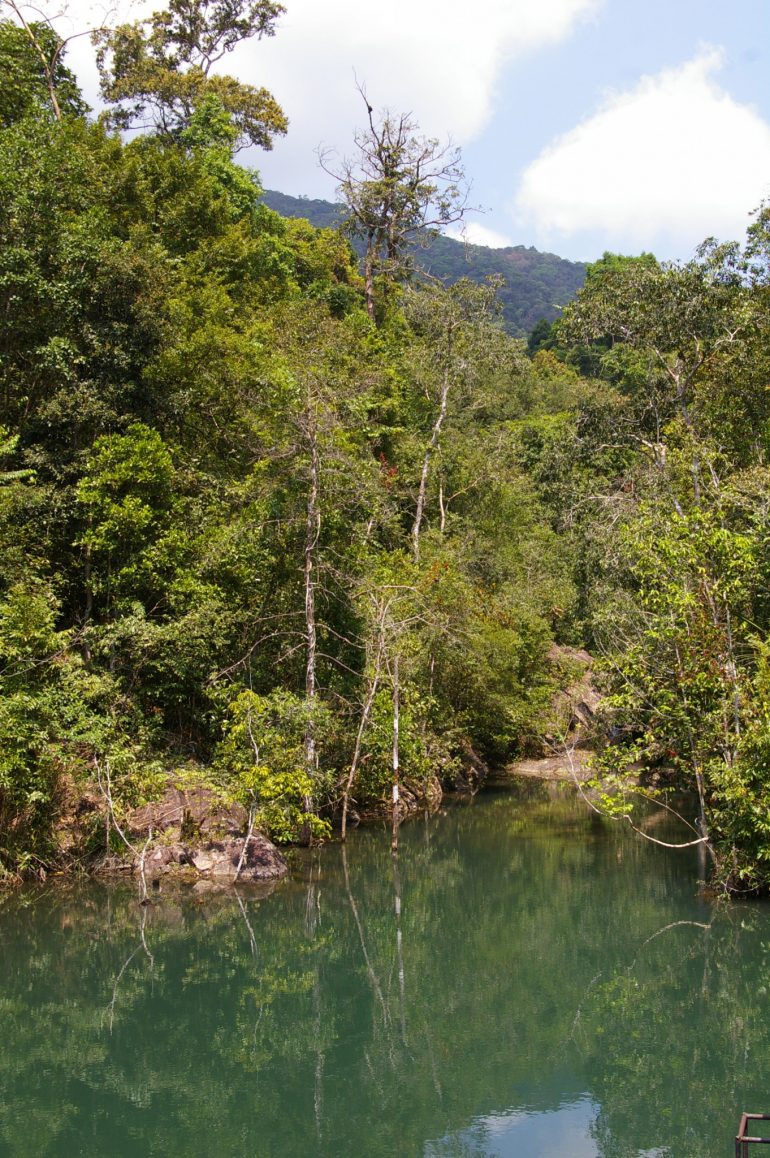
point(520, 978)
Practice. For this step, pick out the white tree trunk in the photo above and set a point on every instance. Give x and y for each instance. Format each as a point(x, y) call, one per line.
point(312, 532)
point(396, 770)
point(429, 450)
point(362, 725)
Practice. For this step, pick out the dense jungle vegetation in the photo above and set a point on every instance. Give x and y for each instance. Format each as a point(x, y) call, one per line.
point(255, 504)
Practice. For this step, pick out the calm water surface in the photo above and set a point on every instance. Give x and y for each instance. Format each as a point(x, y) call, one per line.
point(552, 986)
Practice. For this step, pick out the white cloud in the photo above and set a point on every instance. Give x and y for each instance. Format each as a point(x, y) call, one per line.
point(474, 233)
point(659, 167)
point(433, 58)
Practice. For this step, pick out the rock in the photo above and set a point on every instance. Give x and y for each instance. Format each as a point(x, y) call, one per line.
point(191, 811)
point(198, 830)
point(163, 857)
point(471, 773)
point(219, 859)
point(565, 765)
point(417, 796)
point(574, 706)
point(216, 861)
point(203, 860)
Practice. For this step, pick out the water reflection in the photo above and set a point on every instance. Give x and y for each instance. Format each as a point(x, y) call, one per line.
point(566, 1130)
point(522, 979)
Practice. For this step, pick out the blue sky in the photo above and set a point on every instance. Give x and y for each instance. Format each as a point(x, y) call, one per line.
point(584, 124)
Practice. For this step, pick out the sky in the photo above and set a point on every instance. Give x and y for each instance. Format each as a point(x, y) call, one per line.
point(584, 125)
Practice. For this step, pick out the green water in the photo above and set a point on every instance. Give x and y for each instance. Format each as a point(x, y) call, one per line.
point(553, 986)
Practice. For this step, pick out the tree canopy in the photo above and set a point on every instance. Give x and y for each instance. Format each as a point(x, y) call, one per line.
point(157, 72)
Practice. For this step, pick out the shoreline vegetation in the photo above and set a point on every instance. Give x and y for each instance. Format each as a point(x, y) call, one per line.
point(313, 531)
point(191, 837)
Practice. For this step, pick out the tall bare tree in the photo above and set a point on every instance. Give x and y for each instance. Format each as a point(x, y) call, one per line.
point(400, 187)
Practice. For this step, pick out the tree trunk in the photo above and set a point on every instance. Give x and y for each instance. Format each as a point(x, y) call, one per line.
point(362, 724)
point(369, 281)
point(430, 448)
point(48, 65)
point(312, 532)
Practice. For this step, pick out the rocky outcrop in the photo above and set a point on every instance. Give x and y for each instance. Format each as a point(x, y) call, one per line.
point(194, 810)
point(567, 764)
point(192, 834)
point(414, 797)
point(470, 773)
point(253, 858)
point(231, 859)
point(567, 732)
point(574, 705)
point(417, 797)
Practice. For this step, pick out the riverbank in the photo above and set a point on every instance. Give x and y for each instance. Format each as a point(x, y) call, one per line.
point(192, 830)
point(194, 834)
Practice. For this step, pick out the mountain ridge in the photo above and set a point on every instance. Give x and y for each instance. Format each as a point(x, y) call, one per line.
point(537, 284)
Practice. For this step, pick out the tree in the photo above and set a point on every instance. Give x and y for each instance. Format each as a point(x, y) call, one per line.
point(661, 328)
point(159, 71)
point(401, 186)
point(758, 246)
point(453, 328)
point(262, 755)
point(686, 662)
point(321, 488)
point(681, 614)
point(33, 70)
point(126, 495)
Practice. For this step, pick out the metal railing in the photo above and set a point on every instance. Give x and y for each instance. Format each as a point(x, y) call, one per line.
point(743, 1139)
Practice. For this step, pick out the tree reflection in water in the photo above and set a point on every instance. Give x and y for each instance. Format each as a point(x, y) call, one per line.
point(519, 966)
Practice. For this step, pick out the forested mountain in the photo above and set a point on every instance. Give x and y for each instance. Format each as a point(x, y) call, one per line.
point(298, 533)
point(535, 285)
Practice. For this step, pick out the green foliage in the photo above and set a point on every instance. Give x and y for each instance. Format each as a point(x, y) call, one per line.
point(26, 87)
point(212, 135)
point(8, 445)
point(126, 495)
point(58, 720)
point(160, 68)
point(676, 601)
point(423, 753)
point(29, 714)
point(262, 758)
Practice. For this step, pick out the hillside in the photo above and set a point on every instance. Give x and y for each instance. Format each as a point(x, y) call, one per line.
point(536, 284)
